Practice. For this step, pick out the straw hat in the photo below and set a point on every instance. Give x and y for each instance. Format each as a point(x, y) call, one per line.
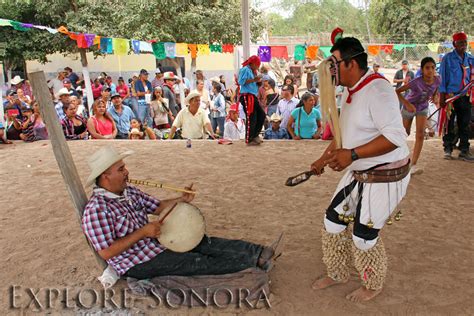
point(136, 131)
point(275, 118)
point(191, 96)
point(16, 80)
point(102, 159)
point(63, 91)
point(169, 75)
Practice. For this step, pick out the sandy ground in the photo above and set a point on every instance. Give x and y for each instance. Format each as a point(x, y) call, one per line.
point(241, 193)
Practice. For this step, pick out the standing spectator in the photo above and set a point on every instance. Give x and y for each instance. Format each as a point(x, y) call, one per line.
point(168, 91)
point(266, 70)
point(262, 92)
point(192, 119)
point(305, 120)
point(63, 103)
point(143, 89)
point(24, 99)
point(160, 110)
point(272, 98)
point(122, 116)
point(207, 84)
point(101, 125)
point(74, 126)
point(234, 128)
point(205, 98)
point(96, 89)
point(287, 104)
point(123, 90)
point(310, 68)
point(158, 80)
point(376, 68)
point(105, 96)
point(296, 71)
point(68, 85)
point(404, 75)
point(110, 84)
point(290, 81)
point(456, 72)
point(275, 131)
point(72, 76)
point(56, 84)
point(218, 109)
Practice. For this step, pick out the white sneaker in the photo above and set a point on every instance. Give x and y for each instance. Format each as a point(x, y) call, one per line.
point(415, 170)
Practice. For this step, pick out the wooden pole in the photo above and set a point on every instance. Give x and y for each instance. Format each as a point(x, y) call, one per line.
point(60, 148)
point(2, 113)
point(245, 28)
point(87, 79)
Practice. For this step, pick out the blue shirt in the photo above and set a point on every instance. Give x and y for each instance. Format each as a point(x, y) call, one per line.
point(123, 119)
point(308, 126)
point(271, 134)
point(139, 87)
point(452, 69)
point(245, 74)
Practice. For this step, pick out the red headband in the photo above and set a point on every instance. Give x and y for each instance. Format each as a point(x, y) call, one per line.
point(252, 60)
point(461, 36)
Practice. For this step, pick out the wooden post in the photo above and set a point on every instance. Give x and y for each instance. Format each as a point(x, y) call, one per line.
point(2, 113)
point(60, 148)
point(245, 28)
point(87, 79)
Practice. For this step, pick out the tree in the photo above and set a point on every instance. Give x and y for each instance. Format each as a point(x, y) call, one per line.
point(421, 21)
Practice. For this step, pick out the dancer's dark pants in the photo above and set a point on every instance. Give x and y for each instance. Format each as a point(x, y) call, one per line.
point(255, 116)
point(213, 256)
point(462, 114)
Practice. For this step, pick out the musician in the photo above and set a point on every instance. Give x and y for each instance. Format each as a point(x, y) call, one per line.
point(116, 224)
point(373, 138)
point(456, 71)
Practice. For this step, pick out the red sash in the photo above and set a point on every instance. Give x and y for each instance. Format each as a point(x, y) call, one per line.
point(364, 82)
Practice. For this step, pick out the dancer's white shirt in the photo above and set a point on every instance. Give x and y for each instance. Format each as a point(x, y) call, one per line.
point(374, 111)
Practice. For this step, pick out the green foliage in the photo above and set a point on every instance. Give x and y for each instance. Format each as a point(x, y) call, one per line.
point(422, 21)
point(316, 17)
point(202, 21)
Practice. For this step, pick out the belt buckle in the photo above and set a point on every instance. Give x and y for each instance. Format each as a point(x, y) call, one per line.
point(365, 176)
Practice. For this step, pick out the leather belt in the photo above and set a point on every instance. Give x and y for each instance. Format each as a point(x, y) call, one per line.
point(385, 175)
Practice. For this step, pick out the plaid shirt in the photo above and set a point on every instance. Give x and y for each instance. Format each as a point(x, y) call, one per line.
point(68, 128)
point(108, 217)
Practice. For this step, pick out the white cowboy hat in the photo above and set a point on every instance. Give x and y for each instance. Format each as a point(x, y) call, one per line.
point(102, 159)
point(16, 80)
point(275, 118)
point(136, 131)
point(170, 76)
point(63, 91)
point(215, 79)
point(191, 96)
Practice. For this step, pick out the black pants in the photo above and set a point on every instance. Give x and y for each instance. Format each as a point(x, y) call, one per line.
point(462, 114)
point(255, 120)
point(213, 256)
point(121, 136)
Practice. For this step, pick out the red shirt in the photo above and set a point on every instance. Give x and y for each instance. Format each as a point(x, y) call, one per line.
point(122, 89)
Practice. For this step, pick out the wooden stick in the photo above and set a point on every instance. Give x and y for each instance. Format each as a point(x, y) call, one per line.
point(61, 150)
point(159, 185)
point(169, 212)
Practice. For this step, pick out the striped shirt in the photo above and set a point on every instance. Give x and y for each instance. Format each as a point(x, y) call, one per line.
point(284, 109)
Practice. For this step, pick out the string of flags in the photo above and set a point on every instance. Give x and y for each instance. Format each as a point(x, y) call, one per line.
point(162, 50)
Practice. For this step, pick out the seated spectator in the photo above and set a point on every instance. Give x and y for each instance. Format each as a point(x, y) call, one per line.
point(205, 98)
point(192, 119)
point(105, 96)
point(12, 102)
point(26, 126)
point(135, 134)
point(81, 109)
point(24, 99)
point(287, 104)
point(101, 125)
point(74, 126)
point(234, 127)
point(63, 103)
point(218, 109)
point(72, 76)
point(13, 123)
point(290, 81)
point(122, 116)
point(160, 111)
point(376, 69)
point(2, 135)
point(275, 131)
point(110, 84)
point(305, 120)
point(96, 89)
point(144, 130)
point(34, 128)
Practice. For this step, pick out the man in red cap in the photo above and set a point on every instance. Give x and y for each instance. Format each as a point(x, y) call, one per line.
point(456, 71)
point(255, 116)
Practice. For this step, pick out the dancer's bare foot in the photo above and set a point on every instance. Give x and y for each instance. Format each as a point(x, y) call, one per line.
point(325, 282)
point(362, 294)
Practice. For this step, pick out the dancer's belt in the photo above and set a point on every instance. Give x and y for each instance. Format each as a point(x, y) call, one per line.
point(384, 174)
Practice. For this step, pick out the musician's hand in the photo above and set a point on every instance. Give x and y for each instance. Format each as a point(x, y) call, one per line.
point(152, 229)
point(318, 167)
point(188, 197)
point(339, 159)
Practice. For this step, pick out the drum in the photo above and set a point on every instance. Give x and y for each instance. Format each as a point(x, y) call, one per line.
point(183, 229)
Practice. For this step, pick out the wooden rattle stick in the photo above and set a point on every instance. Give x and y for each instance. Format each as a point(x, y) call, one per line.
point(171, 210)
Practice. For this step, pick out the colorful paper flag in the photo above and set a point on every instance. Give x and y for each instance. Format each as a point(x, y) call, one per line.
point(146, 47)
point(373, 50)
point(181, 49)
point(81, 41)
point(312, 52)
point(19, 26)
point(4, 22)
point(280, 52)
point(170, 50)
point(300, 52)
point(387, 49)
point(121, 46)
point(89, 39)
point(228, 48)
point(159, 50)
point(106, 45)
point(216, 48)
point(193, 50)
point(326, 50)
point(203, 49)
point(136, 46)
point(265, 53)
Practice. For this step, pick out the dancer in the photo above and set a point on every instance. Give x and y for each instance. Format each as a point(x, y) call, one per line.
point(416, 104)
point(255, 116)
point(375, 152)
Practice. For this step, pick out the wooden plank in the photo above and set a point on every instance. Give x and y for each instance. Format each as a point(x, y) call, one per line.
point(60, 148)
point(87, 80)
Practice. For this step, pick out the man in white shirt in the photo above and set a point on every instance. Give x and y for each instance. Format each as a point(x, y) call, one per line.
point(375, 152)
point(234, 128)
point(56, 84)
point(192, 119)
point(287, 104)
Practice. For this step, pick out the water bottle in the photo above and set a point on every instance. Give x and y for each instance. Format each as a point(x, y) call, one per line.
point(188, 143)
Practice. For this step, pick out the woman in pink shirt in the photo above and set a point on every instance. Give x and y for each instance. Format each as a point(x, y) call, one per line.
point(96, 89)
point(101, 125)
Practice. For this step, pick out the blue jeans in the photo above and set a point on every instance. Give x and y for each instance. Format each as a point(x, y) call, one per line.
point(143, 113)
point(218, 121)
